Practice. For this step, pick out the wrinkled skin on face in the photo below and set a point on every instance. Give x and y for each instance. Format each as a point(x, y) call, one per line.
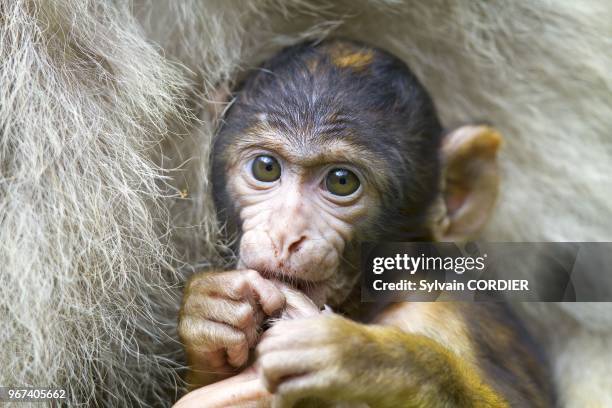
point(294, 228)
point(325, 118)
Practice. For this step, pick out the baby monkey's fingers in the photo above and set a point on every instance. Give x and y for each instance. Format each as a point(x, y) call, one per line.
point(224, 312)
point(243, 315)
point(240, 285)
point(204, 336)
point(297, 304)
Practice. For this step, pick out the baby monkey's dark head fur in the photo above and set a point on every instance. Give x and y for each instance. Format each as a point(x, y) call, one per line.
point(329, 144)
point(314, 93)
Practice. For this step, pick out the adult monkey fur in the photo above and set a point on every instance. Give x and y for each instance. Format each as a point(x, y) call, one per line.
point(90, 90)
point(326, 145)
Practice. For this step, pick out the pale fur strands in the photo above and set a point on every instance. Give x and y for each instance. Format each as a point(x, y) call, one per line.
point(87, 297)
point(85, 97)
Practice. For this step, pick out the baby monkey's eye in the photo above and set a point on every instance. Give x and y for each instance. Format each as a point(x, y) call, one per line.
point(266, 168)
point(342, 182)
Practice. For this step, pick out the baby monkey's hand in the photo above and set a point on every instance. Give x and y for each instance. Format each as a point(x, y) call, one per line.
point(246, 388)
point(221, 319)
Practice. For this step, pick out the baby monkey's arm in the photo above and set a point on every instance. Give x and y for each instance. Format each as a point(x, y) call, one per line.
point(417, 355)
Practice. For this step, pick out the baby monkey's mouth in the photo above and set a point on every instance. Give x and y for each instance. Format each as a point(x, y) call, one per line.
point(314, 289)
point(291, 280)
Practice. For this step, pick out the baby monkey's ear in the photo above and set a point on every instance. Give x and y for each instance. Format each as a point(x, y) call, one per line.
point(470, 181)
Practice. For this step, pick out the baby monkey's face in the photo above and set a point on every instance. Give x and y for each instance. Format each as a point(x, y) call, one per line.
point(328, 144)
point(300, 207)
point(331, 143)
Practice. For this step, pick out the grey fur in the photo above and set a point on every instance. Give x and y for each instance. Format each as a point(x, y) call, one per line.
point(103, 124)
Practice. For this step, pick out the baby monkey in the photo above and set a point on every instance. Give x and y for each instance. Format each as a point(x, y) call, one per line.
point(327, 145)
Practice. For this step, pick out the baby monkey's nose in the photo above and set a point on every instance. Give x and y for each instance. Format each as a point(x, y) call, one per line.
point(288, 245)
point(295, 245)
